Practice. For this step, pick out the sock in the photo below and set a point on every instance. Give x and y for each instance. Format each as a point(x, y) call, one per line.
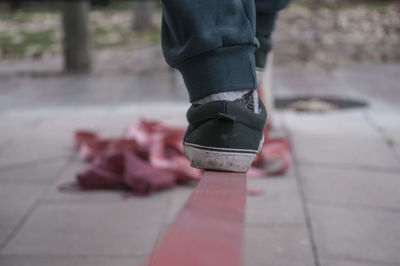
point(246, 98)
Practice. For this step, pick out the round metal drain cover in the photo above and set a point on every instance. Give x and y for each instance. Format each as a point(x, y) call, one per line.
point(313, 103)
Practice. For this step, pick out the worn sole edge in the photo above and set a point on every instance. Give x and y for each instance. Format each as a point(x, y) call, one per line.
point(220, 159)
point(220, 149)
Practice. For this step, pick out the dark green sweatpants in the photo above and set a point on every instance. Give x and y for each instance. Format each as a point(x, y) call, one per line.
point(212, 42)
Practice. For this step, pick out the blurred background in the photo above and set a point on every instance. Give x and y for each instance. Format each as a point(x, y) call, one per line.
point(98, 65)
point(325, 32)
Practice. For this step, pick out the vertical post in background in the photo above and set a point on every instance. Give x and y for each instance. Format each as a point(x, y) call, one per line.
point(143, 15)
point(76, 36)
point(267, 88)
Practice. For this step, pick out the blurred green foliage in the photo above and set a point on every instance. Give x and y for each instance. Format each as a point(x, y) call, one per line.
point(33, 32)
point(18, 37)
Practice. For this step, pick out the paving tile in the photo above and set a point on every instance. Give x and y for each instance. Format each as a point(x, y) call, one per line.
point(396, 151)
point(14, 126)
point(95, 90)
point(389, 125)
point(107, 122)
point(387, 121)
point(115, 125)
point(343, 262)
point(351, 141)
point(344, 150)
point(32, 173)
point(15, 200)
point(173, 114)
point(310, 80)
point(360, 80)
point(3, 142)
point(30, 150)
point(334, 123)
point(352, 186)
point(279, 203)
point(42, 133)
point(278, 129)
point(178, 198)
point(5, 231)
point(278, 246)
point(68, 261)
point(42, 128)
point(128, 227)
point(65, 124)
point(356, 233)
point(17, 122)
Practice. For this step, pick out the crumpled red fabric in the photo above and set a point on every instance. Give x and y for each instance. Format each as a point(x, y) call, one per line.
point(149, 157)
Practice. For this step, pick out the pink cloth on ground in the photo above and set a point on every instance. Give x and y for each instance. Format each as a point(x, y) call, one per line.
point(149, 157)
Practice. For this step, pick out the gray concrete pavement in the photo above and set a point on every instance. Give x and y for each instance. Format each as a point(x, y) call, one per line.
point(338, 205)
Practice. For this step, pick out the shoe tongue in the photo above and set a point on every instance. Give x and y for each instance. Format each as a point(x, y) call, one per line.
point(250, 101)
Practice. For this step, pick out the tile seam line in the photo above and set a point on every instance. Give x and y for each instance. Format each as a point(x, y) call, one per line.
point(34, 161)
point(164, 216)
point(379, 129)
point(303, 198)
point(274, 225)
point(358, 167)
point(359, 260)
point(31, 209)
point(354, 206)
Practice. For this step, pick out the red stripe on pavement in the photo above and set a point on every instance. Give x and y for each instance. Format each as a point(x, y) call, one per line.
point(208, 231)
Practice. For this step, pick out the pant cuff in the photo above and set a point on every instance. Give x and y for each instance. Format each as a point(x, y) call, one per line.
point(224, 69)
point(265, 23)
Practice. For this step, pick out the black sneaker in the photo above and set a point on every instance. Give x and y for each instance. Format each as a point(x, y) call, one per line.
point(223, 136)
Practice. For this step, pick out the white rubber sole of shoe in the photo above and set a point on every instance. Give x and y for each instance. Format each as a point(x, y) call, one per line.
point(220, 159)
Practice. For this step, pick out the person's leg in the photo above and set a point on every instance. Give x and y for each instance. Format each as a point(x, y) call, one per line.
point(266, 16)
point(212, 44)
